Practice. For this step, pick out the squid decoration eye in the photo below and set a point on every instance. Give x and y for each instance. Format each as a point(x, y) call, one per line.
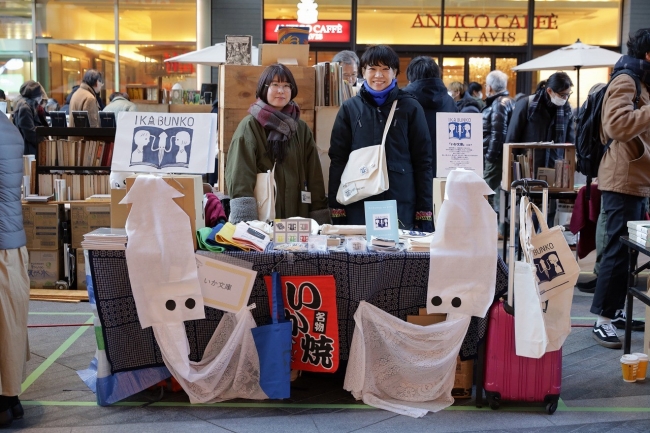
point(436, 301)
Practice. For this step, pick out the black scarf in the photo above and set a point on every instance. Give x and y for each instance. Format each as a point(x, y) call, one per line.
point(640, 67)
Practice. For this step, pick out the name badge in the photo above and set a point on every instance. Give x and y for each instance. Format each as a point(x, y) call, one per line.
point(306, 196)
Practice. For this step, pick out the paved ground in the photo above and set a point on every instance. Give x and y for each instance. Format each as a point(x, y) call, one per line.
point(594, 396)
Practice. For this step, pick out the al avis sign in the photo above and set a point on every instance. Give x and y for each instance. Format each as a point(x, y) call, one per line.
point(321, 31)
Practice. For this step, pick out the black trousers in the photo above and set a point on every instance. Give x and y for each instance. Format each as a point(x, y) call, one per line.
point(611, 286)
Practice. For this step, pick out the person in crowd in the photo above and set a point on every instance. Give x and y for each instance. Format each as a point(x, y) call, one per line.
point(40, 108)
point(51, 105)
point(520, 95)
point(66, 106)
point(25, 115)
point(360, 123)
point(496, 119)
point(456, 90)
point(86, 98)
point(350, 64)
point(468, 105)
point(623, 179)
point(119, 102)
point(3, 97)
point(14, 279)
point(274, 135)
point(425, 84)
point(475, 92)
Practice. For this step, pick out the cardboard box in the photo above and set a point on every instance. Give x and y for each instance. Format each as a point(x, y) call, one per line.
point(41, 222)
point(119, 212)
point(44, 268)
point(81, 270)
point(287, 54)
point(191, 186)
point(86, 217)
point(464, 379)
point(426, 320)
point(438, 195)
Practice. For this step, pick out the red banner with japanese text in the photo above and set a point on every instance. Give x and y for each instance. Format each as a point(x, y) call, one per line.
point(310, 304)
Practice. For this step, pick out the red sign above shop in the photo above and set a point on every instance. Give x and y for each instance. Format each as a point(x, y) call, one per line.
point(322, 31)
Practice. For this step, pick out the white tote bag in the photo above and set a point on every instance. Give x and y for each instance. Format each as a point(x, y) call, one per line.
point(366, 173)
point(265, 190)
point(555, 265)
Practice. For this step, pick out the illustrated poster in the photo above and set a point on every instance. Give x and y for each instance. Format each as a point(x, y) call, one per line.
point(310, 304)
point(165, 143)
point(459, 142)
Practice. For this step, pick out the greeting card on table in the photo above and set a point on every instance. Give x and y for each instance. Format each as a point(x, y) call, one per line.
point(291, 230)
point(224, 286)
point(381, 220)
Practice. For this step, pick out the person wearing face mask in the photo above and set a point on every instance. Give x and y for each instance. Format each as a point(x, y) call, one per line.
point(350, 64)
point(25, 115)
point(360, 123)
point(475, 93)
point(86, 98)
point(545, 116)
point(456, 90)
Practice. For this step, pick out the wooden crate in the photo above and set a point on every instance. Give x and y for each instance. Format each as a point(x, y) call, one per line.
point(190, 108)
point(508, 158)
point(229, 119)
point(324, 122)
point(237, 85)
point(222, 172)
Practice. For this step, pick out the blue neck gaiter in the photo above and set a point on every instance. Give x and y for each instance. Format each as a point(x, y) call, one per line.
point(380, 96)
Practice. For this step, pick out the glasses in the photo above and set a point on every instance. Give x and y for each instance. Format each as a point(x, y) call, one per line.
point(564, 96)
point(277, 87)
point(348, 76)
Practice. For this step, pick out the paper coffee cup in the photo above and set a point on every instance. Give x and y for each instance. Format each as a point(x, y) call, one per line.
point(629, 365)
point(643, 365)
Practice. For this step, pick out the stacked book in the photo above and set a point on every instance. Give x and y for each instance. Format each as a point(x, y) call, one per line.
point(105, 238)
point(638, 232)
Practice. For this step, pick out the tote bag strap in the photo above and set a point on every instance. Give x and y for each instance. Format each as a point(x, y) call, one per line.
point(388, 122)
point(277, 304)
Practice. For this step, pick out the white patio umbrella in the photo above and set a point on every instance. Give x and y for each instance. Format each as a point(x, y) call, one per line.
point(214, 55)
point(575, 56)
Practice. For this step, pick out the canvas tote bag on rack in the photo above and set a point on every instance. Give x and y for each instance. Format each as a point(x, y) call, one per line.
point(264, 193)
point(366, 173)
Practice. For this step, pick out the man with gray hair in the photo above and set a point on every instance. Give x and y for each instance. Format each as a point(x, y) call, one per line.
point(350, 63)
point(496, 117)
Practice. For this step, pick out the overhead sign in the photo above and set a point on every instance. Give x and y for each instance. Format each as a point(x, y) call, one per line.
point(321, 31)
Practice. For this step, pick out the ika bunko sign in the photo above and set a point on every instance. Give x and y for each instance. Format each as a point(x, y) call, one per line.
point(310, 304)
point(165, 143)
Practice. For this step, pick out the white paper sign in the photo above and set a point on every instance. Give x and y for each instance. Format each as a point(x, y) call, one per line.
point(224, 286)
point(459, 142)
point(165, 143)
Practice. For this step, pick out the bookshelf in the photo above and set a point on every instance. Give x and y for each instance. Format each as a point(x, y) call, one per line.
point(528, 170)
point(80, 156)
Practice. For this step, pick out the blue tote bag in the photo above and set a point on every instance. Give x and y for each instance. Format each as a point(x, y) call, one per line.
point(273, 343)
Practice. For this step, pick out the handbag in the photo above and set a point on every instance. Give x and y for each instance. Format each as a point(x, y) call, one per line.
point(273, 343)
point(556, 268)
point(265, 190)
point(366, 173)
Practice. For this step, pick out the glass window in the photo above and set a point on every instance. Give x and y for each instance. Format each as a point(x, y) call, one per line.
point(320, 9)
point(453, 69)
point(505, 64)
point(394, 23)
point(562, 22)
point(158, 21)
point(16, 22)
point(75, 19)
point(485, 22)
point(479, 67)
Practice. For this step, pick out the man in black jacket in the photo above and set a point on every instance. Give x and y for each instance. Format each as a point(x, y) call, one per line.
point(496, 116)
point(425, 84)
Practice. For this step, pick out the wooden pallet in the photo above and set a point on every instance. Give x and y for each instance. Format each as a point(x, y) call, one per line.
point(58, 295)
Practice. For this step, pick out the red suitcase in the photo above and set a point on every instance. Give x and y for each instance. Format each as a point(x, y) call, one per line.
point(508, 377)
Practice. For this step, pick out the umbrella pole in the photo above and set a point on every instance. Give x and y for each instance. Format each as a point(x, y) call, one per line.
point(578, 94)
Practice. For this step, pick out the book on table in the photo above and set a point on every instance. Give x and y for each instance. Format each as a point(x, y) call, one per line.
point(639, 226)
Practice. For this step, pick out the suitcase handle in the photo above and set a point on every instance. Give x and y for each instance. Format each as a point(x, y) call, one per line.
point(524, 185)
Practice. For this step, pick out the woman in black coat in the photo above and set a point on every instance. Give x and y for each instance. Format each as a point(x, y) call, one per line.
point(25, 115)
point(360, 123)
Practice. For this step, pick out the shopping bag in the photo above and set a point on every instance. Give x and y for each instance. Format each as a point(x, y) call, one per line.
point(530, 329)
point(264, 193)
point(366, 172)
point(273, 343)
point(556, 268)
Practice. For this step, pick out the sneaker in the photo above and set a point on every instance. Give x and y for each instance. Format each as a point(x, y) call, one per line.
point(619, 322)
point(605, 335)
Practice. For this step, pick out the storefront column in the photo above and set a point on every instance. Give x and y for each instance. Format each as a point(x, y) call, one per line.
point(203, 38)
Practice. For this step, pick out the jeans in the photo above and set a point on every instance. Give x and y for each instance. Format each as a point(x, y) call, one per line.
point(611, 286)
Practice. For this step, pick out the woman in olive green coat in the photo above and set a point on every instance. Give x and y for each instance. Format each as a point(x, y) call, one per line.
point(273, 133)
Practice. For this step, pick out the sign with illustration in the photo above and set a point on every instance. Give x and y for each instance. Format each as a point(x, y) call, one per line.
point(381, 220)
point(310, 305)
point(459, 142)
point(165, 143)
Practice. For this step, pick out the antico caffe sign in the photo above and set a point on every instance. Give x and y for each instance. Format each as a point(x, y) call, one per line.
point(320, 31)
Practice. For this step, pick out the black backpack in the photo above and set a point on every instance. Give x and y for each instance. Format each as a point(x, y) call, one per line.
point(589, 148)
